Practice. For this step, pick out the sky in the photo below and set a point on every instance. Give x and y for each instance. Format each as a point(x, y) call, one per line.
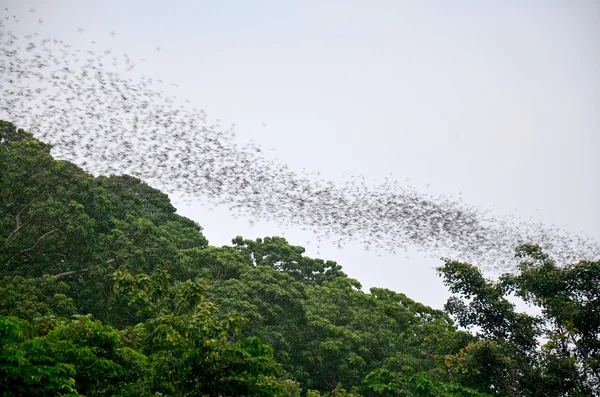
point(495, 102)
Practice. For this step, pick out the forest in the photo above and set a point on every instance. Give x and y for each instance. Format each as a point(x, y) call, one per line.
point(107, 291)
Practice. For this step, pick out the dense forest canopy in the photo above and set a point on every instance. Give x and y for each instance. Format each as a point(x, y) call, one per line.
point(106, 290)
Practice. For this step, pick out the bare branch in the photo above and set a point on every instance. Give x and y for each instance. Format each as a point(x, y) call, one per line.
point(34, 246)
point(18, 225)
point(39, 241)
point(71, 273)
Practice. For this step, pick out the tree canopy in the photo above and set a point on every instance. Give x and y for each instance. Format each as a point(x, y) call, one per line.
point(106, 290)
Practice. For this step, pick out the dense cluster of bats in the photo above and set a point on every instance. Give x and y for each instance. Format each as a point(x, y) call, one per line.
point(84, 104)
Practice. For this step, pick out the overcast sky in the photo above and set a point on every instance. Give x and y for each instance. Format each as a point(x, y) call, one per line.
point(498, 101)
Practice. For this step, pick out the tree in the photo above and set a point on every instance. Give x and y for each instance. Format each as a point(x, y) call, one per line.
point(569, 297)
point(45, 226)
point(67, 358)
point(272, 302)
point(31, 298)
point(277, 253)
point(192, 351)
point(107, 291)
point(30, 376)
point(509, 357)
point(217, 263)
point(382, 382)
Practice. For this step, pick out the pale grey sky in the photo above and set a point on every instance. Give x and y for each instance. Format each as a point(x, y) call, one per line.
point(498, 100)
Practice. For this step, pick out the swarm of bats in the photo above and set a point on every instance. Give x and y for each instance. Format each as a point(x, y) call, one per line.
point(84, 103)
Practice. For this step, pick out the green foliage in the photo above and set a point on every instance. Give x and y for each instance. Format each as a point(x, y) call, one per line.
point(133, 197)
point(193, 352)
point(107, 291)
point(509, 358)
point(216, 263)
point(30, 298)
point(483, 303)
point(27, 372)
point(272, 303)
point(569, 297)
point(339, 391)
point(278, 254)
point(385, 383)
point(73, 357)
